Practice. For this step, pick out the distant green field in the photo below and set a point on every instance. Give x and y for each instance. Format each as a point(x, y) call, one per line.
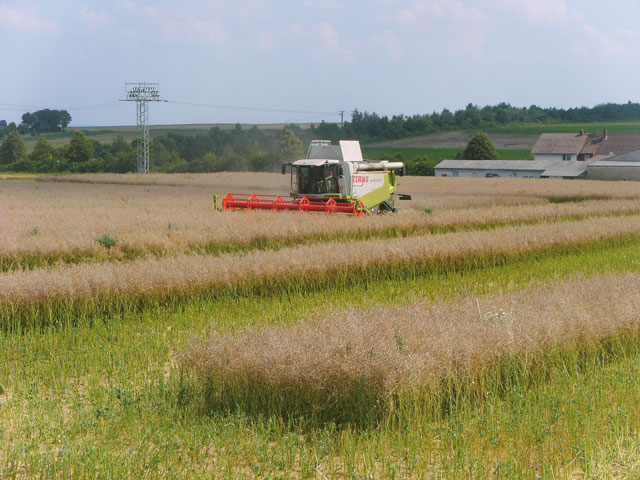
point(436, 155)
point(130, 132)
point(537, 129)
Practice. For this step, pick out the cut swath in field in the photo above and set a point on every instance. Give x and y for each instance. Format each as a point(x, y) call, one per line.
point(41, 226)
point(417, 186)
point(355, 360)
point(94, 286)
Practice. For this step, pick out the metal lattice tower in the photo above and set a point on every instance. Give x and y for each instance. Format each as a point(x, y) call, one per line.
point(142, 94)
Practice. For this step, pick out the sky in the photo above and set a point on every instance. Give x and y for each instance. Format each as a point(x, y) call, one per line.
point(260, 61)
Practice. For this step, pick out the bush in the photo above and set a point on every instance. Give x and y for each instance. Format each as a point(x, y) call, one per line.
point(107, 241)
point(479, 148)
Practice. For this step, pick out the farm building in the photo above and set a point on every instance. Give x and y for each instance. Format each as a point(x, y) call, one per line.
point(510, 168)
point(584, 147)
point(610, 170)
point(561, 155)
point(618, 167)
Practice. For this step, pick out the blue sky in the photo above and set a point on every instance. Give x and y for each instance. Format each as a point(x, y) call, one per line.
point(315, 57)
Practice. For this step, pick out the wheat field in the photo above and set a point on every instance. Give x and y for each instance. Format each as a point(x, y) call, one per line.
point(50, 221)
point(487, 330)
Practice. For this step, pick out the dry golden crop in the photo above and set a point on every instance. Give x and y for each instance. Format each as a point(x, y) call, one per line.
point(192, 271)
point(421, 344)
point(538, 187)
point(254, 182)
point(57, 220)
point(260, 182)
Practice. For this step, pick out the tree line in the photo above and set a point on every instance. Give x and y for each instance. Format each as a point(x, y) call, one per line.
point(41, 121)
point(256, 149)
point(214, 150)
point(371, 126)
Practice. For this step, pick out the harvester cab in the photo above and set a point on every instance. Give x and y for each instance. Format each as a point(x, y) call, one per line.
point(332, 179)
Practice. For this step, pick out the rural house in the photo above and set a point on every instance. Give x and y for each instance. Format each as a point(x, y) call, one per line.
point(584, 147)
point(561, 155)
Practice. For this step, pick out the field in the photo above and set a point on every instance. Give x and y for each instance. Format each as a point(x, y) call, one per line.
point(436, 155)
point(488, 330)
point(458, 140)
point(107, 134)
point(537, 129)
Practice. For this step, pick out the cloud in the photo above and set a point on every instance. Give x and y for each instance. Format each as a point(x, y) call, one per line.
point(405, 17)
point(23, 17)
point(193, 28)
point(325, 39)
point(327, 35)
point(326, 4)
point(539, 11)
point(183, 23)
point(97, 19)
point(388, 41)
point(262, 41)
point(453, 9)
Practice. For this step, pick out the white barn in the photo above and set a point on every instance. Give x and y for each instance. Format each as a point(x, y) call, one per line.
point(510, 168)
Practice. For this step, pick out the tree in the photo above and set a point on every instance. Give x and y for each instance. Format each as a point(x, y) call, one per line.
point(46, 120)
point(41, 158)
point(479, 148)
point(12, 148)
point(80, 148)
point(290, 146)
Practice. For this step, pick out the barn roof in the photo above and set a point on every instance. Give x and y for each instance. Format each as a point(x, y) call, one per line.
point(619, 144)
point(609, 163)
point(547, 168)
point(494, 164)
point(633, 156)
point(565, 169)
point(560, 143)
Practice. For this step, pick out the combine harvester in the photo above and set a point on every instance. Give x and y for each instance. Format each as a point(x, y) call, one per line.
point(332, 179)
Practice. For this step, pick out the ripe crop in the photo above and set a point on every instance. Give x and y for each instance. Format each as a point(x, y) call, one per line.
point(50, 222)
point(191, 272)
point(420, 347)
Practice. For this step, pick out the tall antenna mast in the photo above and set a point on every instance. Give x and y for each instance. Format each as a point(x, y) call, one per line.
point(142, 94)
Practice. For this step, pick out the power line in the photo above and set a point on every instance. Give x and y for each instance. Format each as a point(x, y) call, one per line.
point(15, 107)
point(10, 106)
point(256, 109)
point(193, 104)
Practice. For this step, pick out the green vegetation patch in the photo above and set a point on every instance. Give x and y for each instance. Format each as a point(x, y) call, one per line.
point(109, 399)
point(434, 156)
point(540, 128)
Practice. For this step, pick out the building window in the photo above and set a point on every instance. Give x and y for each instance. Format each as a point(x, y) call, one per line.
point(566, 157)
point(455, 173)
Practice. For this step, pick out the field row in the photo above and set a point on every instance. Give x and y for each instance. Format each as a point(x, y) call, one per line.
point(299, 267)
point(42, 226)
point(260, 182)
point(338, 363)
point(107, 399)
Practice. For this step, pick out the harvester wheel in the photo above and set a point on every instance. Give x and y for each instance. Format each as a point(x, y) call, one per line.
point(278, 204)
point(330, 207)
point(251, 202)
point(303, 204)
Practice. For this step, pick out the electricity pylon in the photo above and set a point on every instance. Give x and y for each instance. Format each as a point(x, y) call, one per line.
point(142, 94)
